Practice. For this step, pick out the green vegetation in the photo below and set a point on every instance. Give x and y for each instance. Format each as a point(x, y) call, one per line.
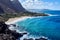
point(6, 16)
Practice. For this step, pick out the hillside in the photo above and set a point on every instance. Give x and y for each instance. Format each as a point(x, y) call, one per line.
point(11, 6)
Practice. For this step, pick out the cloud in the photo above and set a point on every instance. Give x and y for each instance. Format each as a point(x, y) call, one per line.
point(38, 4)
point(11, 0)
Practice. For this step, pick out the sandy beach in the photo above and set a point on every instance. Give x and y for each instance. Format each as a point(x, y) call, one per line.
point(14, 20)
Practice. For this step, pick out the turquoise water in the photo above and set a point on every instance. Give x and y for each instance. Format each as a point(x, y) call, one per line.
point(48, 26)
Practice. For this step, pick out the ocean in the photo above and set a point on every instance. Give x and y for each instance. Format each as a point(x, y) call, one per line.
point(48, 26)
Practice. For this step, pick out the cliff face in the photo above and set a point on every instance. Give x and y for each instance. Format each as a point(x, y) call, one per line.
point(11, 6)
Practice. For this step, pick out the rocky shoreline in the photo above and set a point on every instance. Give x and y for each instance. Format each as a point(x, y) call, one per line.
point(7, 34)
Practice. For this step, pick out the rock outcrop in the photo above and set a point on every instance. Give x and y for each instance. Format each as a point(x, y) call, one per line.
point(41, 39)
point(6, 34)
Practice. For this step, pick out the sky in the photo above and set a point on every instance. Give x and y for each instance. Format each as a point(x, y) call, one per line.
point(41, 4)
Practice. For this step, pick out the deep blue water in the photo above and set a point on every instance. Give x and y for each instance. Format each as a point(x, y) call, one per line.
point(48, 26)
point(53, 12)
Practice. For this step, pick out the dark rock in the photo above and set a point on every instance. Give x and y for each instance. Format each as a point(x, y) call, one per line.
point(28, 39)
point(41, 39)
point(13, 25)
point(7, 37)
point(3, 27)
point(17, 35)
point(6, 34)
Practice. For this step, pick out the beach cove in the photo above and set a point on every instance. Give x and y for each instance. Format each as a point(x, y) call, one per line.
point(16, 19)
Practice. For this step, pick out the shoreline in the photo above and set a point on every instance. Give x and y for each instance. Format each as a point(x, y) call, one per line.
point(16, 19)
